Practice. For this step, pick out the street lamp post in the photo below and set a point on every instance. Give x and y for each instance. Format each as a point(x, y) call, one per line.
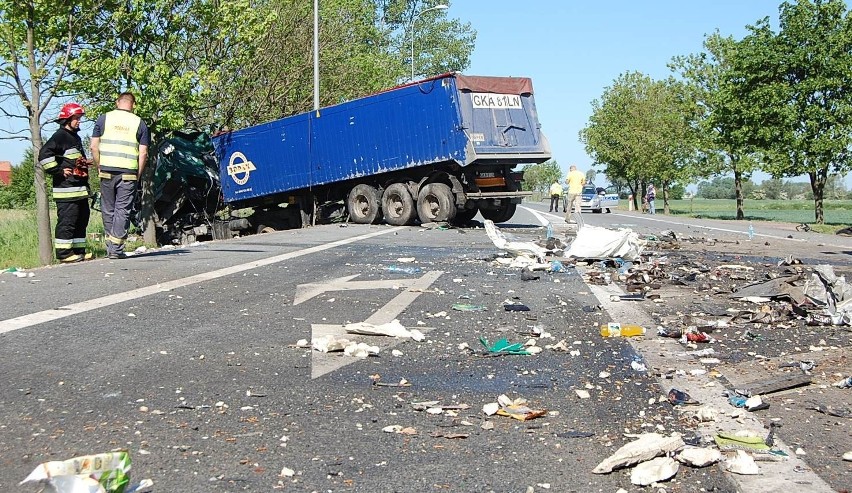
point(413, 20)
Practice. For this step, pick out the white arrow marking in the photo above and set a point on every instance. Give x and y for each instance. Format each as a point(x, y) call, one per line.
point(322, 363)
point(304, 292)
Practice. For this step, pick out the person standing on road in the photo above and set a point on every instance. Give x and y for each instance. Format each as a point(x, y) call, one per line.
point(62, 157)
point(651, 196)
point(119, 145)
point(575, 180)
point(555, 195)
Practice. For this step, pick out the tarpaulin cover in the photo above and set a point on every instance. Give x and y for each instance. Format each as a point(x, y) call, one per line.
point(594, 242)
point(497, 85)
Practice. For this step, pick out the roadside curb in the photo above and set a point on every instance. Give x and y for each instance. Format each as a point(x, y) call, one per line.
point(664, 353)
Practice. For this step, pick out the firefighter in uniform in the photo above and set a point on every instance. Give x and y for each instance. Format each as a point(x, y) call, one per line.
point(119, 145)
point(62, 157)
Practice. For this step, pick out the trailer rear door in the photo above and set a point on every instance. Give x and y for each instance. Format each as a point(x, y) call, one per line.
point(500, 118)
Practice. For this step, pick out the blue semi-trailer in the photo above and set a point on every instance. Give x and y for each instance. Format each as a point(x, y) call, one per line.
point(439, 149)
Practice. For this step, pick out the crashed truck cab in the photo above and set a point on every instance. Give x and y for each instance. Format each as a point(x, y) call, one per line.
point(439, 149)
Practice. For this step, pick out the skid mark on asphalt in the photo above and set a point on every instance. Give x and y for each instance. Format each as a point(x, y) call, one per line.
point(23, 321)
point(667, 353)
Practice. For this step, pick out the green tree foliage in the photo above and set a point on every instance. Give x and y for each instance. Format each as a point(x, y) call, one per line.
point(797, 87)
point(724, 187)
point(38, 39)
point(539, 177)
point(722, 138)
point(441, 44)
point(641, 130)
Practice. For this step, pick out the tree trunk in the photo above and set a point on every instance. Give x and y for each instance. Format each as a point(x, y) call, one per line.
point(665, 185)
point(45, 238)
point(818, 180)
point(738, 187)
point(634, 191)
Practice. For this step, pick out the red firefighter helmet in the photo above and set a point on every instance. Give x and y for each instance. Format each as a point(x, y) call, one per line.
point(70, 109)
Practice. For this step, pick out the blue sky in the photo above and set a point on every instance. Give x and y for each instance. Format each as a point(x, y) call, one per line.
point(572, 50)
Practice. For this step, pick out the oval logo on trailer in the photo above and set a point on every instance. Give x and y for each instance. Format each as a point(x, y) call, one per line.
point(240, 170)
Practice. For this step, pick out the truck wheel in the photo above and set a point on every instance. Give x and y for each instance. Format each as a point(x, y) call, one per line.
point(464, 216)
point(398, 205)
point(501, 215)
point(597, 211)
point(363, 204)
point(435, 203)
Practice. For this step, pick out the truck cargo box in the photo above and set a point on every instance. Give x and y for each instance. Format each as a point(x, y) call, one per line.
point(452, 119)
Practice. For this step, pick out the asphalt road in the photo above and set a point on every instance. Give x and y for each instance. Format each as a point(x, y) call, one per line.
point(184, 357)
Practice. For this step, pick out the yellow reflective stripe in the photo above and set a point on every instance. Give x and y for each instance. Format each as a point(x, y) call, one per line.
point(78, 242)
point(129, 143)
point(114, 240)
point(73, 154)
point(70, 192)
point(62, 244)
point(48, 163)
point(126, 176)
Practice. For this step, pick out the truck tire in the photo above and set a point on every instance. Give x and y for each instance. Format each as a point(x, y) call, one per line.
point(501, 215)
point(398, 205)
point(435, 203)
point(363, 204)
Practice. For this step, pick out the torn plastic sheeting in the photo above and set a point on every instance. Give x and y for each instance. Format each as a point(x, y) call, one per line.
point(778, 288)
point(595, 242)
point(100, 473)
point(517, 248)
point(391, 329)
point(646, 447)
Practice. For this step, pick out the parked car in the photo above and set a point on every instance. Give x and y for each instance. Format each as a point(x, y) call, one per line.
point(596, 199)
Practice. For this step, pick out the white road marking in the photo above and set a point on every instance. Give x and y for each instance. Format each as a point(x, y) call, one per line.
point(304, 292)
point(23, 321)
point(662, 353)
point(712, 228)
point(538, 215)
point(322, 363)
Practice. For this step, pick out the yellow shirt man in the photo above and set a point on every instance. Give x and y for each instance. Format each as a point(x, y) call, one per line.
point(575, 180)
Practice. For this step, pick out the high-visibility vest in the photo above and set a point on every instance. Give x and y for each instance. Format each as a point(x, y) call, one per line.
point(556, 189)
point(119, 147)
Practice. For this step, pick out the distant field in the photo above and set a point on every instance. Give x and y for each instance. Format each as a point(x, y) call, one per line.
point(837, 212)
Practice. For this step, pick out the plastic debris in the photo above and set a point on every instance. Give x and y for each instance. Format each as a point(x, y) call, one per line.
point(678, 398)
point(516, 307)
point(595, 242)
point(101, 473)
point(403, 270)
point(513, 408)
point(846, 383)
point(742, 463)
point(613, 329)
point(638, 365)
point(517, 248)
point(503, 346)
point(698, 456)
point(360, 350)
point(464, 307)
point(654, 471)
point(646, 447)
point(391, 329)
